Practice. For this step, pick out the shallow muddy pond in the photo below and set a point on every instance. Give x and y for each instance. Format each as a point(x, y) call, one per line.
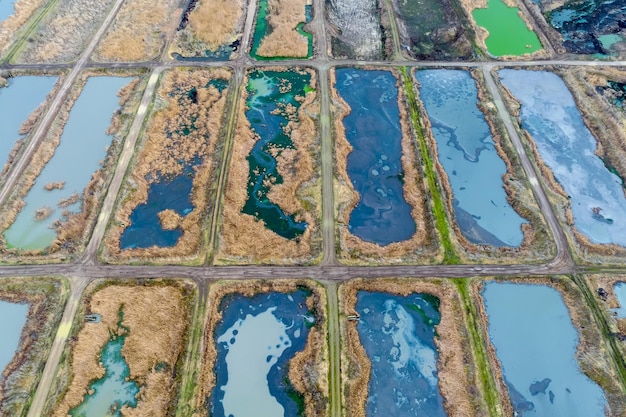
point(508, 33)
point(620, 292)
point(17, 102)
point(76, 158)
point(465, 149)
point(13, 319)
point(382, 215)
point(398, 333)
point(256, 339)
point(550, 115)
point(535, 341)
point(274, 98)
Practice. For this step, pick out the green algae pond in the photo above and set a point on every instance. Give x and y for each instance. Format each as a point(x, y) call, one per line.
point(508, 33)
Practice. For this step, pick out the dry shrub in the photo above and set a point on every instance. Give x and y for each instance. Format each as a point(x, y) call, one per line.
point(215, 22)
point(156, 318)
point(58, 185)
point(43, 213)
point(283, 40)
point(169, 219)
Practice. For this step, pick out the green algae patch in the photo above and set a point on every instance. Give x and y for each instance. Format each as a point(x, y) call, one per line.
point(508, 33)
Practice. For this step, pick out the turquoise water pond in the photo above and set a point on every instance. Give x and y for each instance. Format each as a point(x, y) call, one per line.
point(536, 342)
point(465, 149)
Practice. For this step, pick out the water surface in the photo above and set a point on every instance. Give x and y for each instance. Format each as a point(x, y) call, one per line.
point(17, 101)
point(82, 147)
point(535, 341)
point(13, 319)
point(382, 215)
point(6, 9)
point(398, 333)
point(465, 149)
point(620, 292)
point(550, 115)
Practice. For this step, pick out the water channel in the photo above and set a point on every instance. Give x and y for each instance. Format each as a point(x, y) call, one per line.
point(17, 102)
point(274, 98)
point(508, 33)
point(535, 341)
point(620, 292)
point(382, 215)
point(550, 115)
point(398, 333)
point(76, 158)
point(13, 319)
point(465, 149)
point(256, 339)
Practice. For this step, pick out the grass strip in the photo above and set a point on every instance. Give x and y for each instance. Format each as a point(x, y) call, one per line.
point(439, 210)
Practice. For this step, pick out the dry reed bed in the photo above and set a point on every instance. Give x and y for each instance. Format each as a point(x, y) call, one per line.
point(156, 315)
point(139, 31)
point(308, 369)
point(74, 230)
point(46, 298)
point(212, 24)
point(537, 244)
point(592, 353)
point(244, 239)
point(456, 374)
point(65, 31)
point(161, 151)
point(617, 326)
point(9, 28)
point(420, 246)
point(282, 39)
point(611, 139)
point(482, 34)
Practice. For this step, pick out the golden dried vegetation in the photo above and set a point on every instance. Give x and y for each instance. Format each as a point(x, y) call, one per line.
point(282, 39)
point(9, 28)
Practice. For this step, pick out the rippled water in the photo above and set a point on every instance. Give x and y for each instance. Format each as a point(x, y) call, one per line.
point(565, 144)
point(465, 149)
point(382, 215)
point(531, 330)
point(398, 335)
point(13, 317)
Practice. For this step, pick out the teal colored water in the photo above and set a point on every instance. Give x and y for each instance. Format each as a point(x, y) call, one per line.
point(266, 113)
point(398, 334)
point(535, 341)
point(465, 149)
point(12, 319)
point(17, 101)
point(114, 390)
point(508, 34)
point(6, 9)
point(374, 166)
point(620, 293)
point(550, 115)
point(82, 147)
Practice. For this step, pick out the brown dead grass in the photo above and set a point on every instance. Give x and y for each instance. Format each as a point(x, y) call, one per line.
point(215, 22)
point(308, 369)
point(138, 31)
point(169, 219)
point(162, 154)
point(157, 317)
point(454, 363)
point(354, 249)
point(23, 10)
point(245, 239)
point(284, 41)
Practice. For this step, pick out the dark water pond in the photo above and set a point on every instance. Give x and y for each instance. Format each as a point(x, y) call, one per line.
point(382, 215)
point(256, 339)
point(398, 333)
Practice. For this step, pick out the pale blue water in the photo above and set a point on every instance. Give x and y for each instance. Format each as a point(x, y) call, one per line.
point(12, 319)
point(83, 145)
point(620, 292)
point(17, 102)
point(382, 214)
point(398, 333)
point(535, 341)
point(565, 144)
point(466, 151)
point(6, 9)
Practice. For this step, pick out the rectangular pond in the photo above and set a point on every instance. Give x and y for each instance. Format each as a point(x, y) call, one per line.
point(51, 198)
point(567, 147)
point(13, 317)
point(256, 339)
point(536, 343)
point(398, 334)
point(466, 151)
point(18, 100)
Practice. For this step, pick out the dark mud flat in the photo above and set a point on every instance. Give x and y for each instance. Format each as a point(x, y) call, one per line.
point(433, 30)
point(355, 29)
